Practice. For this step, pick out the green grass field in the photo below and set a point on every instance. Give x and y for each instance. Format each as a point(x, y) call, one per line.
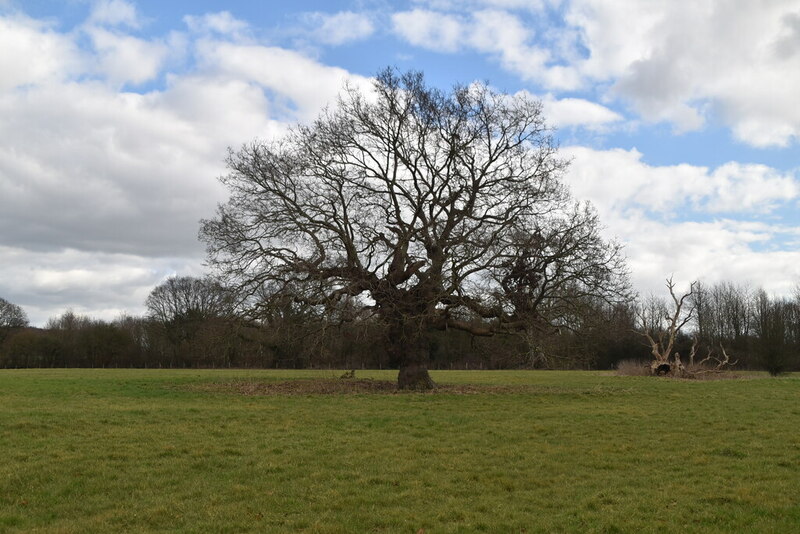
point(146, 451)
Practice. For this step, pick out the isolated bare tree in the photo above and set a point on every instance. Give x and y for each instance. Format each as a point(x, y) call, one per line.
point(409, 200)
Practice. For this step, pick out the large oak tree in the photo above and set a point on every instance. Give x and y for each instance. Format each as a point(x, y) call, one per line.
point(433, 209)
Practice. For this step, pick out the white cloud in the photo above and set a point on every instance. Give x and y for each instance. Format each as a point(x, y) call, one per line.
point(101, 190)
point(735, 187)
point(639, 203)
point(721, 250)
point(498, 33)
point(528, 5)
point(236, 109)
point(566, 112)
point(297, 80)
point(429, 29)
point(533, 5)
point(617, 33)
point(127, 59)
point(676, 62)
point(574, 112)
point(222, 23)
point(46, 283)
point(33, 53)
point(85, 167)
point(114, 13)
point(340, 28)
point(619, 181)
point(501, 33)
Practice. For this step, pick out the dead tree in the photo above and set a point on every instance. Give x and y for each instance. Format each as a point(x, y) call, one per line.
point(662, 329)
point(711, 363)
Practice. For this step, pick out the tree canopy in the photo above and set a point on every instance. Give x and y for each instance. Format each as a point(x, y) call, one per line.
point(186, 298)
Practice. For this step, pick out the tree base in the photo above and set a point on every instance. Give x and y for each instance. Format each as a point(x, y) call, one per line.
point(415, 377)
point(661, 369)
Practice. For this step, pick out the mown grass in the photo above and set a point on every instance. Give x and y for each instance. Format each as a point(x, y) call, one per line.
point(139, 451)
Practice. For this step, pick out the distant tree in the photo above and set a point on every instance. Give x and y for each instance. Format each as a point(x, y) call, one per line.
point(12, 315)
point(772, 320)
point(187, 312)
point(136, 330)
point(72, 331)
point(32, 348)
point(733, 303)
point(434, 209)
point(69, 321)
point(185, 298)
point(703, 311)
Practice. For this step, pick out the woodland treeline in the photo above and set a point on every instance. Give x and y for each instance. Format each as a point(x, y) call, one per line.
point(191, 323)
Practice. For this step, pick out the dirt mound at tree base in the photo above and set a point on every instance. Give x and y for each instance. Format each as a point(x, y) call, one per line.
point(338, 386)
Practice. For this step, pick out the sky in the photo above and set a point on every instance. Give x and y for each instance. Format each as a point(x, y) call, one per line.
point(681, 121)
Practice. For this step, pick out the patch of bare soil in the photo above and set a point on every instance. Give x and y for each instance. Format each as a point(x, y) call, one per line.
point(338, 386)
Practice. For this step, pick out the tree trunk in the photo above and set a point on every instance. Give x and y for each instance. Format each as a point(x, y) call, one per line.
point(415, 376)
point(409, 346)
